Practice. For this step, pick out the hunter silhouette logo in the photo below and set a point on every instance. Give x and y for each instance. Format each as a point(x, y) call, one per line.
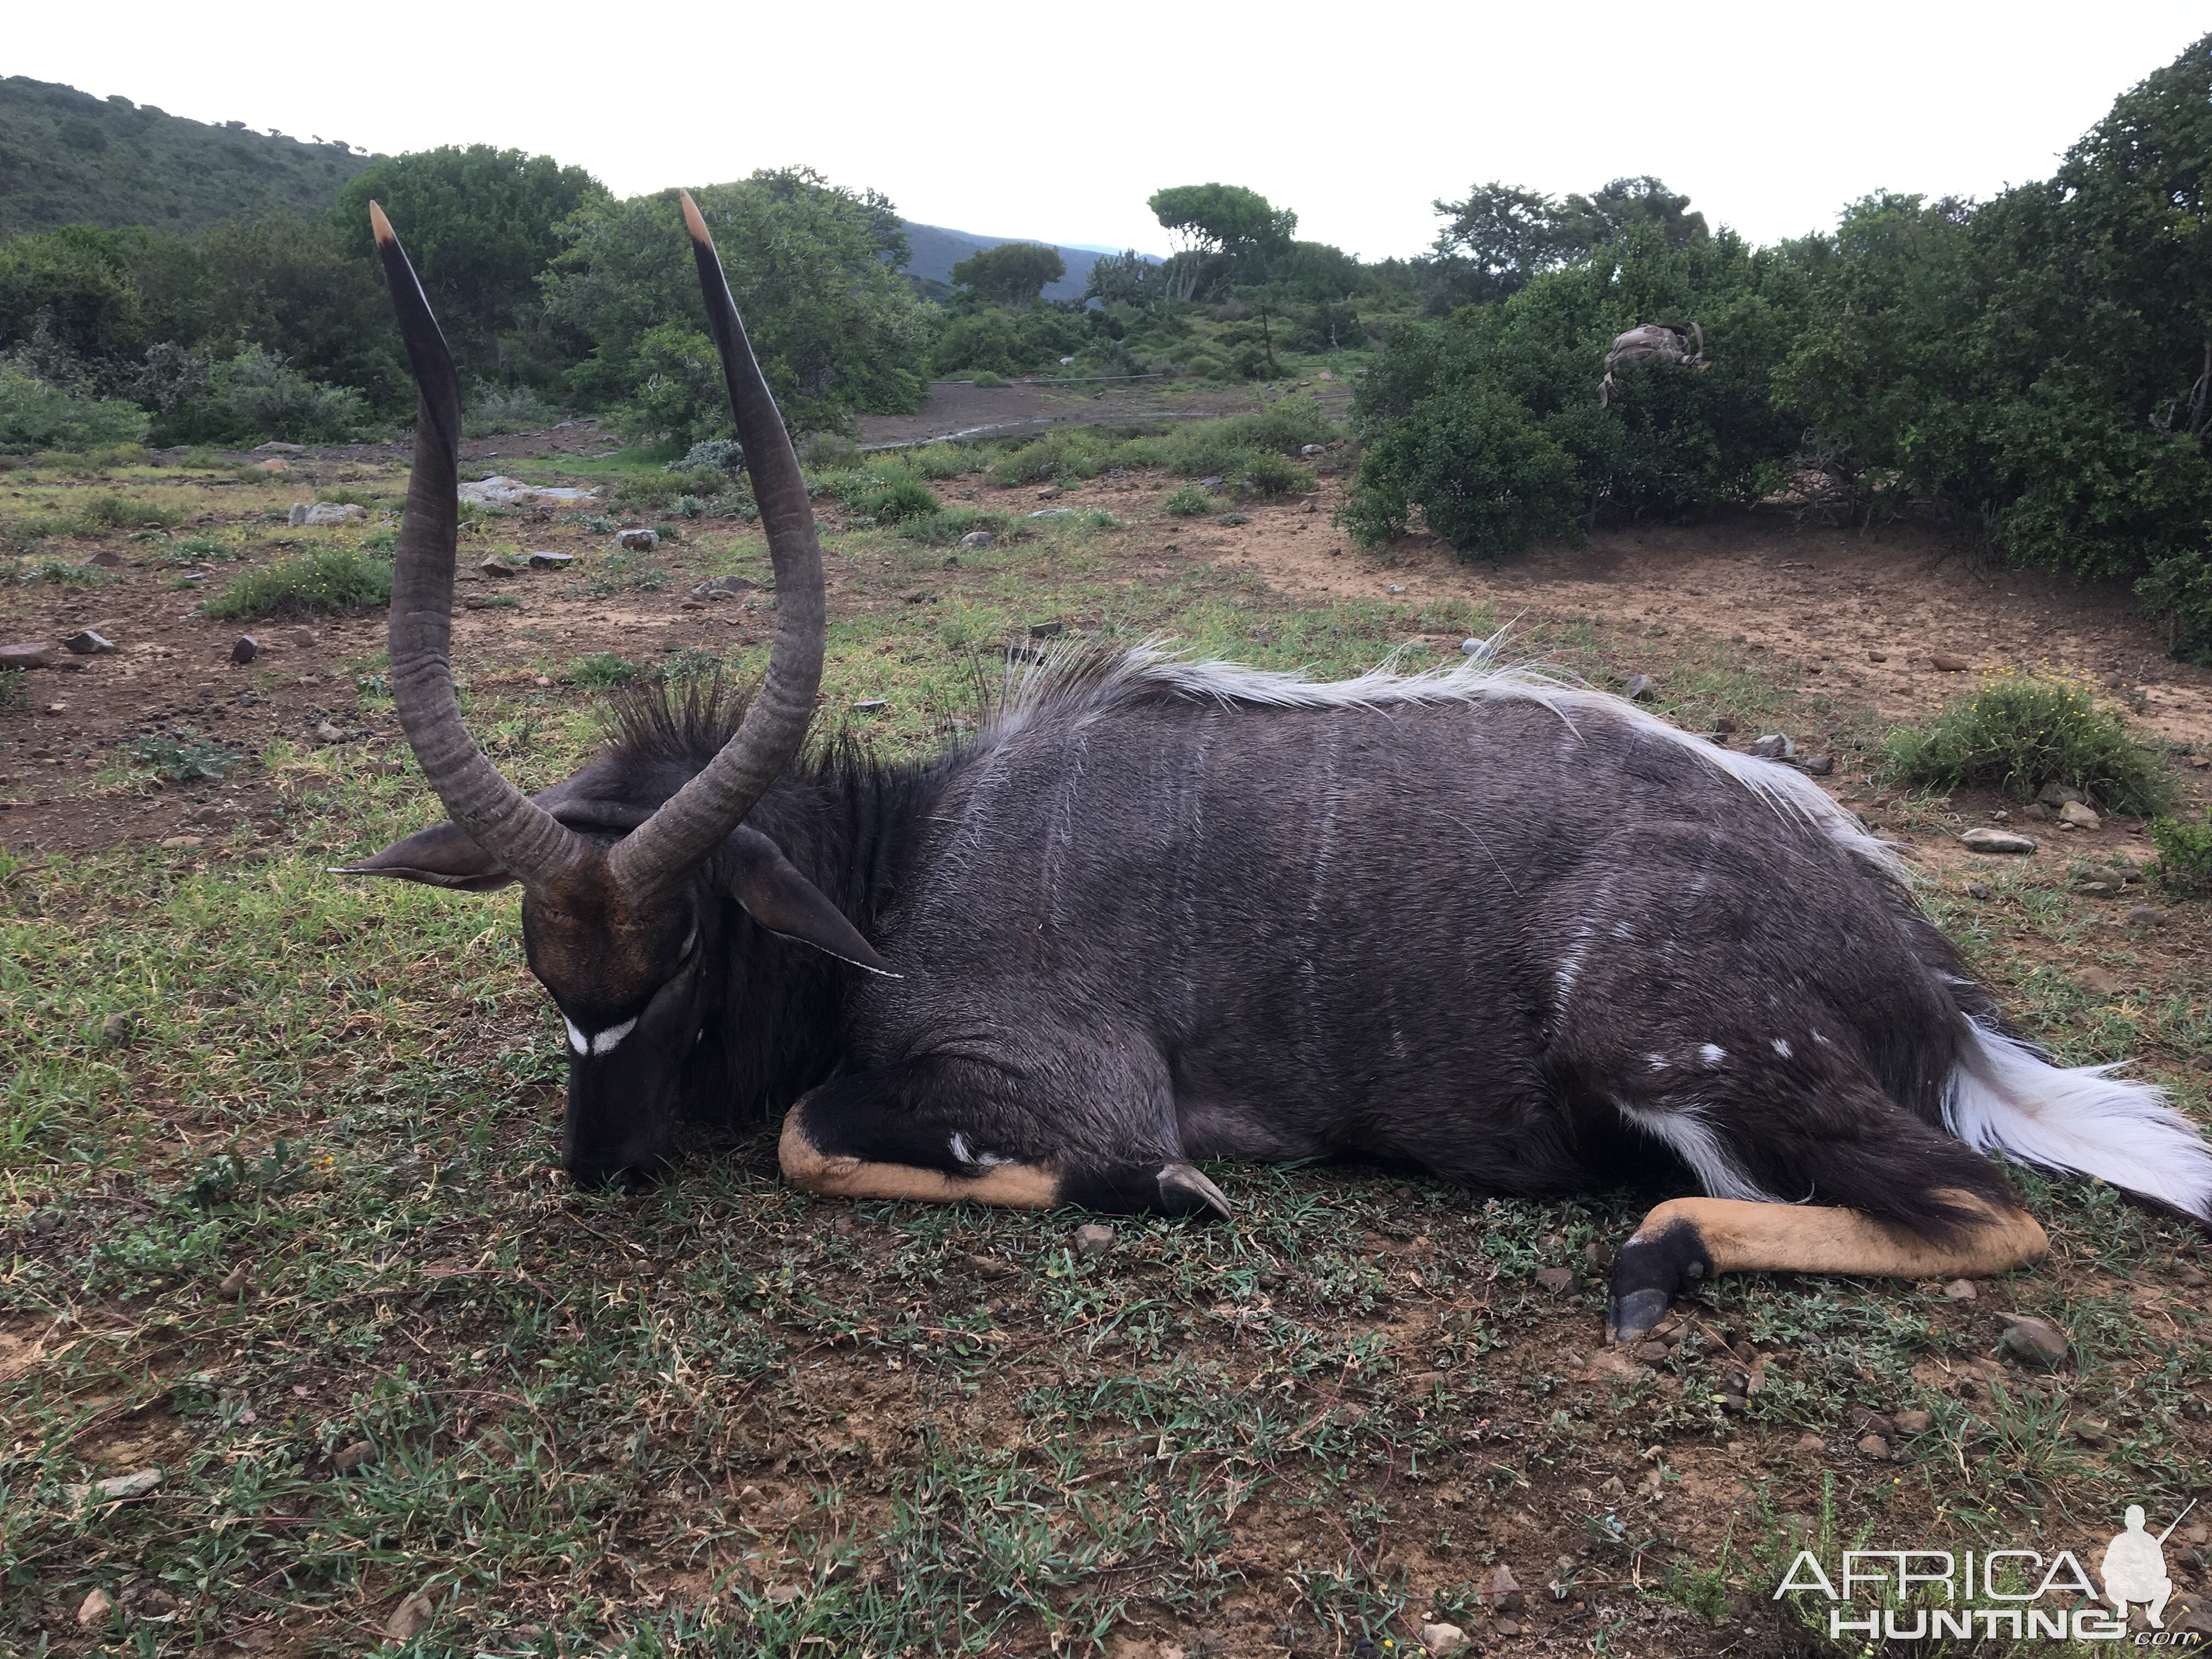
point(2134, 1567)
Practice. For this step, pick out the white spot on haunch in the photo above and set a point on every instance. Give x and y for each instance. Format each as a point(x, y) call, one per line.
point(1712, 1054)
point(1658, 1062)
point(960, 1153)
point(1783, 1048)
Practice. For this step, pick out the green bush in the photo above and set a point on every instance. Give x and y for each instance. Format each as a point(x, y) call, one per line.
point(1186, 502)
point(183, 756)
point(327, 580)
point(496, 410)
point(2177, 593)
point(899, 498)
point(1484, 472)
point(108, 511)
point(1004, 340)
point(602, 671)
point(35, 413)
point(1269, 474)
point(2184, 853)
point(942, 460)
point(198, 399)
point(2021, 732)
point(986, 380)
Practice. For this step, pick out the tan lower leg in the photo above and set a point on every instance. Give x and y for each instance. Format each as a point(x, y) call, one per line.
point(1742, 1237)
point(1008, 1186)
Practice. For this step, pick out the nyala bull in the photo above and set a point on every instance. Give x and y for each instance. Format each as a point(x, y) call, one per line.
point(1156, 911)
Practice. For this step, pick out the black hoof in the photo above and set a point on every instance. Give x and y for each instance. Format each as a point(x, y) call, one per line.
point(1648, 1273)
point(1184, 1191)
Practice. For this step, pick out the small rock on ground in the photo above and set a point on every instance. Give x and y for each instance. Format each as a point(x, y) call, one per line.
point(1443, 1639)
point(88, 643)
point(1093, 1238)
point(1773, 746)
point(1501, 1590)
point(638, 541)
point(409, 1619)
point(1559, 1281)
point(1915, 1421)
point(978, 538)
point(92, 1613)
point(1876, 1447)
point(2029, 1338)
point(246, 650)
point(1640, 688)
point(2079, 815)
point(1961, 1290)
point(1985, 840)
point(1946, 662)
point(29, 653)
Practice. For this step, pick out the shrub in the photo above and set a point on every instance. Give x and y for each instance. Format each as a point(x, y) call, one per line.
point(108, 511)
point(985, 379)
point(328, 579)
point(183, 756)
point(2177, 591)
point(495, 409)
point(256, 394)
point(1485, 474)
point(2021, 732)
point(602, 671)
point(1270, 474)
point(36, 414)
point(1186, 502)
point(2184, 853)
point(899, 499)
point(723, 454)
point(942, 460)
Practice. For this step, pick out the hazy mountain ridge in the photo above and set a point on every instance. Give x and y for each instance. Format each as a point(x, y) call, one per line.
point(67, 158)
point(938, 249)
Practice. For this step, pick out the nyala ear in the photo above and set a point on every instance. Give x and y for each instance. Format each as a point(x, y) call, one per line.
point(441, 856)
point(784, 902)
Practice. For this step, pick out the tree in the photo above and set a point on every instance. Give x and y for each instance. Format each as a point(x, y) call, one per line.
point(479, 223)
point(1219, 225)
point(1583, 224)
point(813, 267)
point(1506, 233)
point(1127, 278)
point(1010, 274)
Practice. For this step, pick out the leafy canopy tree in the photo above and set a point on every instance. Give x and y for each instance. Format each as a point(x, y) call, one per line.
point(1507, 235)
point(814, 269)
point(1010, 274)
point(479, 223)
point(1219, 228)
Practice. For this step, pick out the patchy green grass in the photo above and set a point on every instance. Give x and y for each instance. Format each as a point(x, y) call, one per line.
point(325, 580)
point(277, 1218)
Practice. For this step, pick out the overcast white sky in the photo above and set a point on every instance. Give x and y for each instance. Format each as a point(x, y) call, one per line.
point(1056, 121)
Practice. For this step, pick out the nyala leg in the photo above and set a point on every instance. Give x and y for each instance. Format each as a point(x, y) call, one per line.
point(885, 1134)
point(1687, 1240)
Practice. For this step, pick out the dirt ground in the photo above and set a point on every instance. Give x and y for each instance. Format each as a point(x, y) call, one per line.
point(1873, 612)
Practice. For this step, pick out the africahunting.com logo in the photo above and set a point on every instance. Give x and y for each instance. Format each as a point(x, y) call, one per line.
point(1916, 1595)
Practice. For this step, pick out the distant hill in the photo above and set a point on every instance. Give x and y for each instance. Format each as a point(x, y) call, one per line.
point(67, 158)
point(937, 250)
